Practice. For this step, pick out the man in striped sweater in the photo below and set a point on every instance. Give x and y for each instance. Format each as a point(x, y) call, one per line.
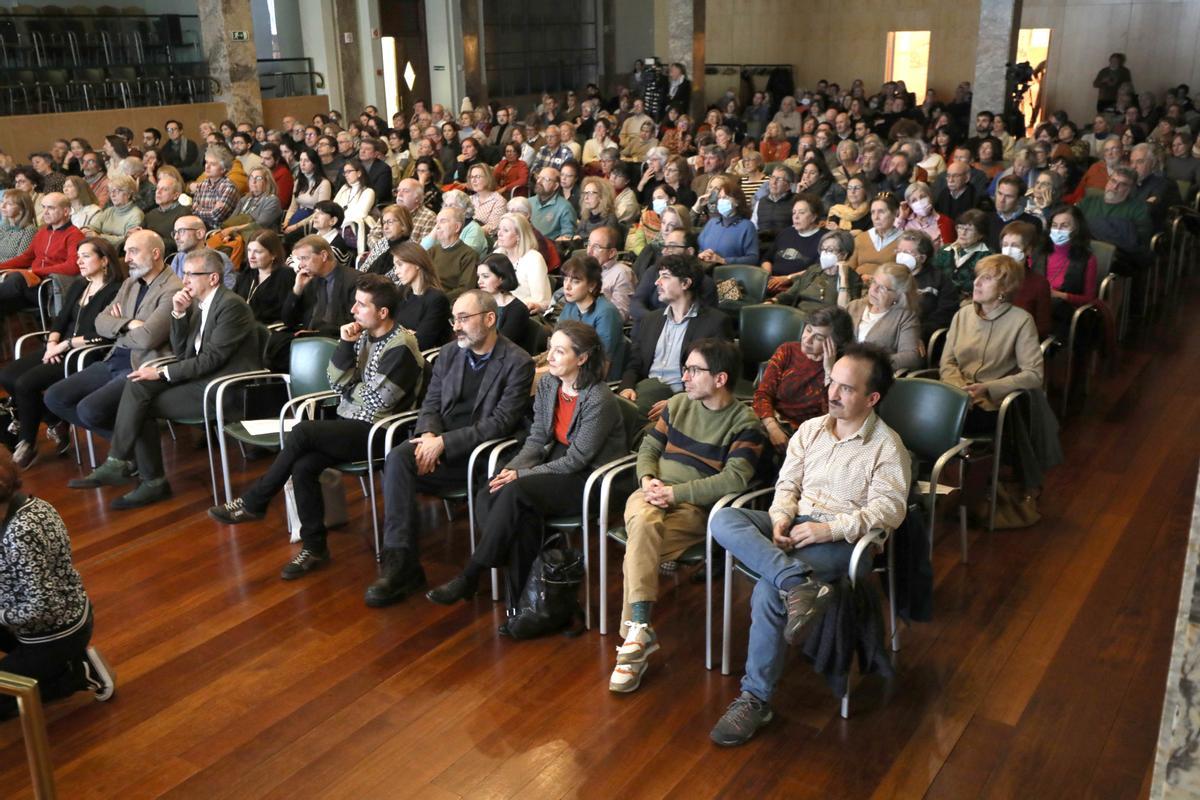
point(378, 370)
point(704, 445)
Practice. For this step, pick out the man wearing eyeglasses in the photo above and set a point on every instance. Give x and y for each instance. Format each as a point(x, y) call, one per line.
point(480, 390)
point(704, 445)
point(189, 234)
point(212, 334)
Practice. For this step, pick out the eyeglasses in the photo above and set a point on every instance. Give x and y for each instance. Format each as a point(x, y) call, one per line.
point(188, 274)
point(461, 319)
point(691, 370)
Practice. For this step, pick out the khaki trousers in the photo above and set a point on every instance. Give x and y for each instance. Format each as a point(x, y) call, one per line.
point(655, 535)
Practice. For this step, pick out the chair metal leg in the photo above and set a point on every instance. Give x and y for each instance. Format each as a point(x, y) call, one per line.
point(91, 450)
point(891, 567)
point(846, 702)
point(727, 615)
point(450, 518)
point(362, 485)
point(171, 429)
point(75, 442)
point(962, 529)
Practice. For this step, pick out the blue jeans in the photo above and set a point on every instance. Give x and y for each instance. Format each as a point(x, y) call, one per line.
point(747, 535)
point(89, 398)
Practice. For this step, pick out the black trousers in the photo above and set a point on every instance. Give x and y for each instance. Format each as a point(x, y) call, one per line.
point(308, 449)
point(56, 665)
point(511, 520)
point(400, 487)
point(15, 294)
point(25, 380)
point(143, 404)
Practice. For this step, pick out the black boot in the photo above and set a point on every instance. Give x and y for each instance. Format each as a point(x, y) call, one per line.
point(461, 587)
point(402, 575)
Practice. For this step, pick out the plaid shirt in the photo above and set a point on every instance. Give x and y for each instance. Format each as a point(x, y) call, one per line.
point(214, 201)
point(423, 222)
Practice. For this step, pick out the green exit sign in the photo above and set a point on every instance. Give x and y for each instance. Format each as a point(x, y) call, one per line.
point(239, 36)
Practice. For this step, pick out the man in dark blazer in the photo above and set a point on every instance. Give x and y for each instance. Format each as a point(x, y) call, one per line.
point(183, 153)
point(212, 334)
point(480, 390)
point(323, 292)
point(654, 371)
point(378, 174)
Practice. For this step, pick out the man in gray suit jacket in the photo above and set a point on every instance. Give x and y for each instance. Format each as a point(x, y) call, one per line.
point(212, 334)
point(480, 390)
point(139, 319)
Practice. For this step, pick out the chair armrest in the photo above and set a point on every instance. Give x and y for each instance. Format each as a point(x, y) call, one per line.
point(20, 343)
point(745, 497)
point(494, 456)
point(80, 355)
point(932, 346)
point(160, 361)
point(932, 373)
point(874, 536)
point(623, 464)
point(395, 425)
point(944, 459)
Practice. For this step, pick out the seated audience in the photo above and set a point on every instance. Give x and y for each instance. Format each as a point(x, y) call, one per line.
point(189, 236)
point(796, 247)
point(877, 244)
point(917, 213)
point(552, 215)
point(18, 223)
point(1116, 217)
point(377, 370)
point(395, 226)
point(515, 239)
point(50, 251)
point(28, 377)
point(167, 209)
point(728, 237)
point(114, 222)
point(618, 281)
point(577, 427)
point(937, 295)
point(215, 196)
point(827, 497)
point(312, 187)
point(1153, 189)
point(480, 390)
point(267, 280)
point(212, 334)
point(827, 280)
point(1009, 207)
point(992, 346)
point(454, 260)
point(654, 368)
point(83, 202)
point(355, 196)
point(853, 213)
point(472, 232)
point(794, 382)
point(322, 293)
point(487, 204)
point(596, 208)
point(511, 174)
point(887, 316)
point(1069, 265)
point(646, 297)
point(1021, 242)
point(703, 445)
point(625, 203)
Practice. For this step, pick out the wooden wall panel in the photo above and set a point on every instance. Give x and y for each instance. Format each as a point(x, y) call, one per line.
point(299, 107)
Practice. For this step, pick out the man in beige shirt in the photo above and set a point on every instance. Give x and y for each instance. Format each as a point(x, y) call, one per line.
point(845, 474)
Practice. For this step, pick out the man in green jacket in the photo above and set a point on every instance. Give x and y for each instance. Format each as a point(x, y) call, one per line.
point(703, 446)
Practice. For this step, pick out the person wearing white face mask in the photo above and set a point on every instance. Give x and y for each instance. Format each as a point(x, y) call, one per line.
point(1069, 265)
point(937, 296)
point(797, 247)
point(917, 213)
point(829, 280)
point(887, 316)
point(1017, 241)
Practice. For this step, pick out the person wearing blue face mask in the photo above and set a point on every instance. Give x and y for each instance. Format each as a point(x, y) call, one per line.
point(1068, 265)
point(729, 237)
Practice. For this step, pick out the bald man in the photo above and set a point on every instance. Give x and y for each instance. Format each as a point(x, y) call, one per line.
point(139, 320)
point(411, 195)
point(959, 194)
point(51, 251)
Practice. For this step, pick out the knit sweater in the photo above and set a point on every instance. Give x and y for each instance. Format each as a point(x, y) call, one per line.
point(702, 454)
point(377, 377)
point(41, 594)
point(999, 351)
point(51, 251)
point(734, 239)
point(114, 223)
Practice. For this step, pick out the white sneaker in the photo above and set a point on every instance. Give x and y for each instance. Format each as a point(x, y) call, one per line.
point(100, 677)
point(640, 641)
point(25, 454)
point(627, 677)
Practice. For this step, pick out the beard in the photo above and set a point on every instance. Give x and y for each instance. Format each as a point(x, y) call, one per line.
point(138, 272)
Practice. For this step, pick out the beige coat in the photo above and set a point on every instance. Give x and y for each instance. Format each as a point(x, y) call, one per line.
point(999, 351)
point(898, 332)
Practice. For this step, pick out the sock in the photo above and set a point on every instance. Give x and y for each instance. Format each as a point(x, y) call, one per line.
point(641, 611)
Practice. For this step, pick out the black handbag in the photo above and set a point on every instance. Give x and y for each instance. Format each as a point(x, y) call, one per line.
point(549, 603)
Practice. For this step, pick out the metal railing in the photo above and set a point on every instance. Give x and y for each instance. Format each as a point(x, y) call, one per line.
point(33, 727)
point(288, 77)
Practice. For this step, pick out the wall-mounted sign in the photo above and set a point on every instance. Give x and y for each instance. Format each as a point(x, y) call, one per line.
point(238, 36)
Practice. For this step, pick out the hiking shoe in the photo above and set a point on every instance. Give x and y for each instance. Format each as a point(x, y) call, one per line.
point(147, 493)
point(741, 721)
point(101, 680)
point(804, 603)
point(402, 575)
point(60, 434)
point(234, 512)
point(627, 677)
point(25, 454)
point(453, 590)
point(305, 562)
point(113, 472)
point(640, 641)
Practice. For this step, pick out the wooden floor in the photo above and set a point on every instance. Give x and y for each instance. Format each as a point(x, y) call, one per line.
point(1042, 675)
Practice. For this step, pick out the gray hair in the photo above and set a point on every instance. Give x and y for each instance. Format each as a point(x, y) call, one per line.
point(132, 166)
point(455, 213)
point(1127, 172)
point(209, 260)
point(917, 186)
point(611, 154)
point(483, 300)
point(660, 154)
point(521, 205)
point(1149, 149)
point(843, 240)
point(222, 154)
point(456, 198)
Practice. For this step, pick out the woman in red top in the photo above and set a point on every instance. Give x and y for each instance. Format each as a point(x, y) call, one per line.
point(774, 147)
point(511, 173)
point(1018, 241)
point(1068, 265)
point(793, 385)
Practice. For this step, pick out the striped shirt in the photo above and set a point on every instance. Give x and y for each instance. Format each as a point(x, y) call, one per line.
point(854, 485)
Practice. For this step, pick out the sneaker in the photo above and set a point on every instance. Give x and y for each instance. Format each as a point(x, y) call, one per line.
point(113, 472)
point(147, 493)
point(627, 677)
point(402, 575)
point(804, 603)
point(234, 512)
point(668, 567)
point(741, 721)
point(25, 455)
point(60, 434)
point(453, 590)
point(305, 562)
point(101, 680)
point(640, 641)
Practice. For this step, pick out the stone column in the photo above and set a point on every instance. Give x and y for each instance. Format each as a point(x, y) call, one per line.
point(349, 57)
point(996, 46)
point(233, 63)
point(686, 43)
